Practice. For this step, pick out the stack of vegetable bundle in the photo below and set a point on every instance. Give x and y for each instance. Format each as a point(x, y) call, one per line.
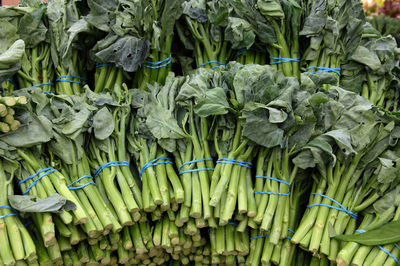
point(110, 158)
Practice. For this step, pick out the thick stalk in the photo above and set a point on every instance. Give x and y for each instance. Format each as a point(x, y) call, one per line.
point(227, 169)
point(162, 182)
point(203, 176)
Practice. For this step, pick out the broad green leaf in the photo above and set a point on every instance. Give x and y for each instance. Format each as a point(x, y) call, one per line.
point(32, 204)
point(103, 124)
point(386, 234)
point(364, 56)
point(162, 124)
point(34, 130)
point(76, 125)
point(214, 103)
point(128, 52)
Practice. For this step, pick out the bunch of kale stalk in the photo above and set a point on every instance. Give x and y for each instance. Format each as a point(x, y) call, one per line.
point(229, 146)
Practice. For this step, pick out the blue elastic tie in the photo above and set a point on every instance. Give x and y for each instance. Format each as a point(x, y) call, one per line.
point(231, 161)
point(389, 254)
point(103, 65)
point(42, 84)
point(47, 92)
point(194, 170)
point(210, 62)
point(256, 237)
point(154, 163)
point(352, 215)
point(12, 82)
point(70, 76)
point(35, 174)
point(233, 223)
point(62, 79)
point(7, 215)
point(325, 69)
point(283, 60)
point(240, 52)
point(51, 170)
point(292, 231)
point(273, 193)
point(28, 223)
point(69, 81)
point(159, 64)
point(110, 164)
point(79, 179)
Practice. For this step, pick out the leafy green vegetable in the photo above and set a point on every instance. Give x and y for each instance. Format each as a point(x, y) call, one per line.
point(386, 234)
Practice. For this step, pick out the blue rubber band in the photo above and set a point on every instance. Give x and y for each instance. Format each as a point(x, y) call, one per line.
point(47, 92)
point(12, 82)
point(233, 223)
point(103, 65)
point(37, 180)
point(194, 170)
point(283, 60)
point(70, 76)
point(240, 52)
point(28, 223)
point(42, 84)
point(82, 186)
point(231, 161)
point(110, 164)
point(273, 193)
point(7, 215)
point(256, 237)
point(35, 174)
point(243, 50)
point(210, 62)
point(69, 81)
point(62, 79)
point(352, 215)
point(289, 237)
point(325, 69)
point(154, 163)
point(389, 254)
point(159, 64)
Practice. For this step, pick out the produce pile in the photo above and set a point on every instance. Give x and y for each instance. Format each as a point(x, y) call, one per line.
point(171, 132)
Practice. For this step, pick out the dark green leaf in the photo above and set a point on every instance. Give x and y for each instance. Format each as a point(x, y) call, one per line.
point(32, 204)
point(386, 234)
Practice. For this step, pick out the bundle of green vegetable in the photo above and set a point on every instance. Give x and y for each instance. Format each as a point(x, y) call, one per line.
point(373, 71)
point(375, 222)
point(276, 25)
point(386, 25)
point(346, 155)
point(17, 244)
point(66, 53)
point(333, 31)
point(109, 158)
point(28, 22)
